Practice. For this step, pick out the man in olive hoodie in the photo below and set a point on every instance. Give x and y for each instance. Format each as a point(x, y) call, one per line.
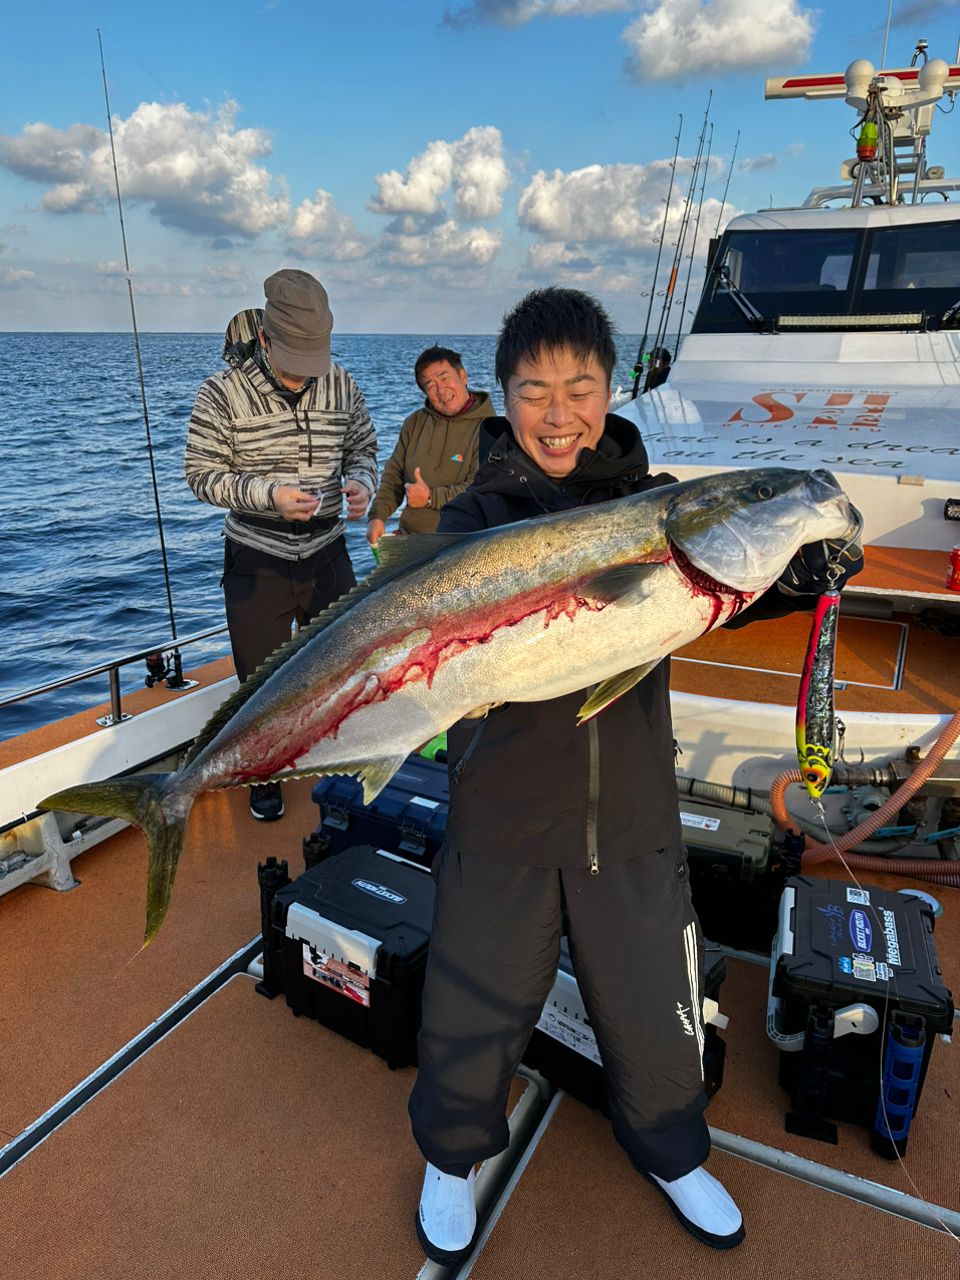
point(436, 455)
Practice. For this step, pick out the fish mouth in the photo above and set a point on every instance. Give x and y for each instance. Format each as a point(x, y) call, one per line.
point(698, 577)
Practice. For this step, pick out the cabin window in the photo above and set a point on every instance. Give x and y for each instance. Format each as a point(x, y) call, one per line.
point(918, 257)
point(892, 276)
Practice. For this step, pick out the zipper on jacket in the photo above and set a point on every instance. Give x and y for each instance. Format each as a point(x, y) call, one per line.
point(593, 795)
point(459, 767)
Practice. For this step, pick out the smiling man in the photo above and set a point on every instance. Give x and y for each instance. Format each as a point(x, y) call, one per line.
point(435, 457)
point(556, 828)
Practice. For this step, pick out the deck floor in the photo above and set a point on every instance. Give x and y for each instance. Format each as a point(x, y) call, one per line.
point(249, 1142)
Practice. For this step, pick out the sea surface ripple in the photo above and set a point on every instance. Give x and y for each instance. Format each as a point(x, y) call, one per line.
point(81, 574)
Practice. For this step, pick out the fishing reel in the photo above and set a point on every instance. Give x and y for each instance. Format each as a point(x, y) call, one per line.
point(167, 667)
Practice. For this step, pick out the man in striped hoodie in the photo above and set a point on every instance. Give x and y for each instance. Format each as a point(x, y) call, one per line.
point(282, 439)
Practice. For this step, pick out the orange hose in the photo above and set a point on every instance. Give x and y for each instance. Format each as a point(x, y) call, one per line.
point(814, 852)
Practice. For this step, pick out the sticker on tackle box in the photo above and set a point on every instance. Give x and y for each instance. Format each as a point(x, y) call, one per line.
point(699, 820)
point(569, 1031)
point(860, 896)
point(341, 976)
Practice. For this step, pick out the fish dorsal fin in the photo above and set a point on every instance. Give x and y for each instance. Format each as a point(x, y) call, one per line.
point(615, 687)
point(409, 552)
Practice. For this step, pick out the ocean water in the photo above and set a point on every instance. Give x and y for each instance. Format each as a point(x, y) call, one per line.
point(81, 576)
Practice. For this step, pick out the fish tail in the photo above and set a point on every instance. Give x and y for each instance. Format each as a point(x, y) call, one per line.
point(149, 802)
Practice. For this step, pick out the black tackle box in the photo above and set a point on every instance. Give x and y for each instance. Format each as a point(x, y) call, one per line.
point(563, 1047)
point(408, 817)
point(856, 1001)
point(346, 943)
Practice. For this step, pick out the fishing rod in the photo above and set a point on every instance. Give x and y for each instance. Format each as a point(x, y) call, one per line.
point(638, 368)
point(723, 202)
point(696, 232)
point(157, 670)
point(681, 237)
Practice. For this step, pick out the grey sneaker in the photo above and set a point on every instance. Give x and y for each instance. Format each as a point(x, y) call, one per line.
point(266, 801)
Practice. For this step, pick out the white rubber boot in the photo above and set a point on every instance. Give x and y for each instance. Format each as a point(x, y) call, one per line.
point(447, 1218)
point(703, 1206)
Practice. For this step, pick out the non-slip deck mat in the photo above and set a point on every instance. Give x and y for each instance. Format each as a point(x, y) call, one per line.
point(247, 1143)
point(866, 653)
point(33, 743)
point(752, 1104)
point(75, 985)
point(904, 569)
point(581, 1211)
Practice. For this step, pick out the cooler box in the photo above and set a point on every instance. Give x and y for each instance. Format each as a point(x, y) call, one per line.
point(408, 817)
point(563, 1047)
point(855, 1003)
point(346, 943)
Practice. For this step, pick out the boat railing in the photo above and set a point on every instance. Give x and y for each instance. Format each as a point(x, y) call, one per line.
point(158, 668)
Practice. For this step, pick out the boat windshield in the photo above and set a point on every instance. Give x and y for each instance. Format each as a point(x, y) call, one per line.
point(905, 277)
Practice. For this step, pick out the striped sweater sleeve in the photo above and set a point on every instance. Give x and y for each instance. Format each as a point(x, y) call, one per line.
point(360, 443)
point(209, 461)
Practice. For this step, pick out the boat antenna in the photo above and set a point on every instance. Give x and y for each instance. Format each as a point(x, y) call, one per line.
point(696, 230)
point(681, 237)
point(723, 202)
point(886, 35)
point(175, 680)
point(638, 368)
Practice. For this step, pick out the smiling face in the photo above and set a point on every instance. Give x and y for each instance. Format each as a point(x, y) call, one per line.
point(445, 387)
point(557, 404)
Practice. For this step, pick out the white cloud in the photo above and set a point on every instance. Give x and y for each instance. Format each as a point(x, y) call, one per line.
point(12, 278)
point(677, 39)
point(600, 227)
point(110, 267)
point(320, 229)
point(513, 13)
point(449, 243)
point(614, 203)
point(752, 164)
point(473, 167)
point(197, 173)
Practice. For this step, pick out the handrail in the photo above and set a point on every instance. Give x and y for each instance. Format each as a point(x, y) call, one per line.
point(112, 666)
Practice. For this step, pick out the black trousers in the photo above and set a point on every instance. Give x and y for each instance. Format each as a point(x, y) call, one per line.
point(264, 595)
point(637, 950)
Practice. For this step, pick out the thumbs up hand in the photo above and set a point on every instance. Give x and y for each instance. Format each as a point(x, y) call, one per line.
point(418, 493)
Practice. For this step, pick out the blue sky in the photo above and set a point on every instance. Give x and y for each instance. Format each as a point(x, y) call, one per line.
point(428, 161)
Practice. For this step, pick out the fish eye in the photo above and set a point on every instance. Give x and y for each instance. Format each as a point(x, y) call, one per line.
point(763, 491)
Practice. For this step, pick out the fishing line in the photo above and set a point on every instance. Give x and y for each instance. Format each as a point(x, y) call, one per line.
point(172, 93)
point(819, 809)
point(178, 678)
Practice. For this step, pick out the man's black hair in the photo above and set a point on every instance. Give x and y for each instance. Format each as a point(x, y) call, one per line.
point(551, 319)
point(433, 355)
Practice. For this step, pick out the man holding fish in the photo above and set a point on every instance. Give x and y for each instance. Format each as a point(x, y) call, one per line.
point(534, 628)
point(556, 828)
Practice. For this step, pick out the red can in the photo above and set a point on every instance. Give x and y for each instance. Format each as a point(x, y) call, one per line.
point(953, 573)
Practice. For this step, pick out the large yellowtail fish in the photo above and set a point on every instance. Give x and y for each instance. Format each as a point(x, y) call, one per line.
point(448, 625)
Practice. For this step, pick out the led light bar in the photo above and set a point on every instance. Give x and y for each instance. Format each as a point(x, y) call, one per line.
point(896, 320)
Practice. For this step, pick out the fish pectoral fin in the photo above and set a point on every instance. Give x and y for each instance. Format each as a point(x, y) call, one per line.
point(608, 691)
point(624, 580)
point(479, 712)
point(375, 774)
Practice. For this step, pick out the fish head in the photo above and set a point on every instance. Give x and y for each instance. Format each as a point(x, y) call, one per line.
point(741, 528)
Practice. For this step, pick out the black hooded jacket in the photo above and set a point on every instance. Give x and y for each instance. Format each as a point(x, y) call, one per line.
point(527, 784)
